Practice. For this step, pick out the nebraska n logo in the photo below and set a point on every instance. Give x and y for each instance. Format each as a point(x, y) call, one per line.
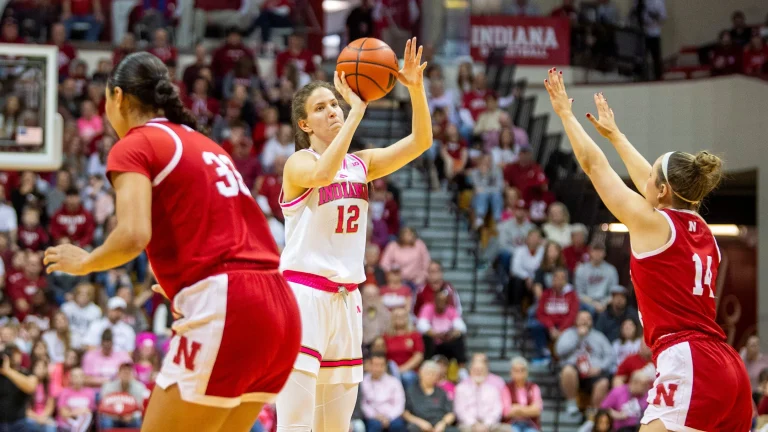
point(391, 81)
point(666, 392)
point(187, 352)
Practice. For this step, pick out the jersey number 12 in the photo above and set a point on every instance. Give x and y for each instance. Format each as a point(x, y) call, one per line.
point(698, 288)
point(352, 213)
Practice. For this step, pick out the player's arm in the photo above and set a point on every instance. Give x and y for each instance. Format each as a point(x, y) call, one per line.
point(384, 161)
point(629, 207)
point(305, 171)
point(637, 166)
point(133, 193)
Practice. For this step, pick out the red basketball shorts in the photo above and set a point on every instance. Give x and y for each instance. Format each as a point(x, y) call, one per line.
point(700, 385)
point(237, 340)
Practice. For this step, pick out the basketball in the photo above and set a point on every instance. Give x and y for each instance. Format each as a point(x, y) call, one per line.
point(370, 67)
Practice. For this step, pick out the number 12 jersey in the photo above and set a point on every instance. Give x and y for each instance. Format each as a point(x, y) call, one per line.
point(203, 215)
point(325, 227)
point(675, 285)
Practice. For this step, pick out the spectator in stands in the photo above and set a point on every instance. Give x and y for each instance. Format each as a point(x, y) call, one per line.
point(526, 404)
point(641, 361)
point(73, 221)
point(226, 56)
point(628, 342)
point(477, 403)
point(376, 319)
point(373, 272)
point(280, 145)
point(555, 313)
point(359, 22)
point(127, 46)
point(454, 155)
point(223, 124)
point(245, 73)
point(395, 294)
point(443, 382)
point(553, 259)
point(202, 104)
point(436, 284)
point(740, 33)
point(8, 219)
point(627, 403)
point(557, 228)
point(726, 56)
point(124, 336)
point(649, 15)
point(22, 287)
point(56, 195)
point(67, 52)
point(134, 315)
point(192, 72)
point(410, 254)
point(523, 8)
point(16, 387)
point(163, 49)
point(404, 346)
point(754, 360)
point(90, 124)
point(274, 14)
point(488, 183)
point(577, 252)
point(97, 198)
point(538, 198)
point(297, 54)
point(610, 320)
point(58, 339)
point(474, 101)
point(102, 364)
point(427, 406)
point(10, 118)
point(488, 120)
point(522, 174)
point(587, 358)
point(83, 12)
point(10, 32)
point(384, 212)
point(526, 259)
point(76, 403)
point(126, 385)
point(511, 199)
point(443, 329)
point(41, 408)
point(247, 165)
point(81, 312)
point(383, 401)
point(505, 153)
point(512, 233)
point(756, 57)
point(593, 280)
point(31, 234)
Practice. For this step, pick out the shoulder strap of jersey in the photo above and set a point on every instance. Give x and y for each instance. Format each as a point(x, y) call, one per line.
point(312, 152)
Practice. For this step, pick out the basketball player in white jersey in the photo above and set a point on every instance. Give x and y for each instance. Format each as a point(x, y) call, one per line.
point(325, 203)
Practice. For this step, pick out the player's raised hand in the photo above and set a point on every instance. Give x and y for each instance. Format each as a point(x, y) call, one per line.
point(605, 123)
point(412, 73)
point(66, 258)
point(354, 101)
point(557, 95)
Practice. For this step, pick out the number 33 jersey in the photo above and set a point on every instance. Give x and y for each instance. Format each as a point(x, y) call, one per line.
point(203, 215)
point(325, 227)
point(675, 285)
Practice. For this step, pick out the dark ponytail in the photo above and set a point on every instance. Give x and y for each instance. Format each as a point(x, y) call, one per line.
point(145, 77)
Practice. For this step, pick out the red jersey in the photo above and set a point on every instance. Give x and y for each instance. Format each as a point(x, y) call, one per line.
point(474, 101)
point(400, 348)
point(78, 226)
point(203, 215)
point(34, 238)
point(675, 284)
point(302, 60)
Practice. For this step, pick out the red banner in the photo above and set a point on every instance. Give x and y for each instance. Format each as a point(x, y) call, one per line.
point(532, 41)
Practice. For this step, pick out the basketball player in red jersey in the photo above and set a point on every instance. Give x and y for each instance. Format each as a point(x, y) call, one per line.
point(701, 383)
point(179, 196)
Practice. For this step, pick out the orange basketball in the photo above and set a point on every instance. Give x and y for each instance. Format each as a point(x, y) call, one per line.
point(370, 66)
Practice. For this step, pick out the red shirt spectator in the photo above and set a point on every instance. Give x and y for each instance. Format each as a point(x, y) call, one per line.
point(297, 54)
point(395, 294)
point(577, 252)
point(193, 71)
point(201, 103)
point(558, 307)
point(756, 57)
point(538, 198)
point(80, 7)
point(271, 188)
point(239, 147)
point(73, 221)
point(10, 32)
point(127, 46)
point(67, 52)
point(31, 235)
point(215, 5)
point(23, 287)
point(397, 12)
point(161, 48)
point(524, 172)
point(474, 101)
point(633, 363)
point(401, 347)
point(225, 57)
point(726, 56)
point(434, 286)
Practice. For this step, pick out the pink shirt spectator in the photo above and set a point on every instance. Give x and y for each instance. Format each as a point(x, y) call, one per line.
point(498, 382)
point(430, 319)
point(448, 387)
point(74, 399)
point(477, 403)
point(90, 128)
point(384, 396)
point(96, 364)
point(621, 400)
point(413, 261)
point(39, 399)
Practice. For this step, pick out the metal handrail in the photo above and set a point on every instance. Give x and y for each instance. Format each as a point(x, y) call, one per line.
point(456, 226)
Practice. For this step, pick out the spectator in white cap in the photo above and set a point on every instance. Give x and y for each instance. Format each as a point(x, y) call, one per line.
point(123, 334)
point(609, 321)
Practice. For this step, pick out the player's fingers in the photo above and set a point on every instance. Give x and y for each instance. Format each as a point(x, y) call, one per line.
point(592, 119)
point(51, 258)
point(52, 268)
point(407, 54)
point(423, 66)
point(418, 54)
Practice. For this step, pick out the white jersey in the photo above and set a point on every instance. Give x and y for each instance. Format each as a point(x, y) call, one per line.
point(325, 227)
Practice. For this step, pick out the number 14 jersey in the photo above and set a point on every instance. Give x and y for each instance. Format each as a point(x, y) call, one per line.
point(675, 285)
point(203, 215)
point(325, 227)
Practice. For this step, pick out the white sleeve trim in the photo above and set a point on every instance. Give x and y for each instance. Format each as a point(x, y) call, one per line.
point(176, 155)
